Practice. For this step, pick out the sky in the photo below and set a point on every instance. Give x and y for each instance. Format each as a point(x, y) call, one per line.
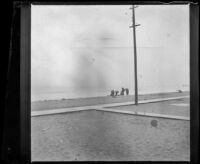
point(90, 48)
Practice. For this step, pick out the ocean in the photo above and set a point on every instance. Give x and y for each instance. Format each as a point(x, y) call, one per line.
point(69, 94)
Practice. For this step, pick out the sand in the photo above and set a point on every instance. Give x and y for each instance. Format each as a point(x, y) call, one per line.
point(104, 136)
point(170, 107)
point(66, 103)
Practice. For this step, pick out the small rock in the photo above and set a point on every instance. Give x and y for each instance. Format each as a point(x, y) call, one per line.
point(154, 123)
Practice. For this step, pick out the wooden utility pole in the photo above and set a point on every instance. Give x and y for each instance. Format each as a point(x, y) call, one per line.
point(135, 52)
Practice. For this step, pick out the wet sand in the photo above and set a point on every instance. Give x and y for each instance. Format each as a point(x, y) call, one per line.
point(105, 136)
point(67, 103)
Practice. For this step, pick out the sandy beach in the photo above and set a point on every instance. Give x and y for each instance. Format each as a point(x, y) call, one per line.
point(93, 135)
point(67, 103)
point(105, 136)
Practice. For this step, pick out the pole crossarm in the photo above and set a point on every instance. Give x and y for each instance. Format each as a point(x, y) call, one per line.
point(133, 7)
point(137, 25)
point(134, 25)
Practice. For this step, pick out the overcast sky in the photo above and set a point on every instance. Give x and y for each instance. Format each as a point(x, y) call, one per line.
point(91, 47)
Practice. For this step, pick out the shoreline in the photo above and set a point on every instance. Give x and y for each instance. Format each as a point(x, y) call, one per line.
point(78, 102)
point(139, 96)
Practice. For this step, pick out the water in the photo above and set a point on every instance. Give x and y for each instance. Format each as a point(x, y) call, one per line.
point(67, 94)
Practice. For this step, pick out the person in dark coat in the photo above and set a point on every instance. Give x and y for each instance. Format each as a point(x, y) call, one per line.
point(127, 91)
point(116, 93)
point(122, 91)
point(112, 93)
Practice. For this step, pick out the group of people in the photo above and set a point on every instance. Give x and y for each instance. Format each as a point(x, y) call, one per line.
point(116, 93)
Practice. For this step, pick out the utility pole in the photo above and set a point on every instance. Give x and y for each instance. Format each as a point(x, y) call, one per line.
point(135, 52)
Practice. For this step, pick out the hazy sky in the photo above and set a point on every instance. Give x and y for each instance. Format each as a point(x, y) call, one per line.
point(91, 47)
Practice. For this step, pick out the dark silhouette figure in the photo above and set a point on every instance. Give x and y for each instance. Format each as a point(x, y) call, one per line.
point(122, 91)
point(180, 91)
point(116, 93)
point(112, 93)
point(127, 91)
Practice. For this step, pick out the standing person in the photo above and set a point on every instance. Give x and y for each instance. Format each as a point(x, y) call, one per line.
point(122, 91)
point(112, 93)
point(127, 91)
point(116, 93)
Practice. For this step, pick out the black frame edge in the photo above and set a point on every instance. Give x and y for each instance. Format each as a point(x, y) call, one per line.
point(194, 83)
point(25, 83)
